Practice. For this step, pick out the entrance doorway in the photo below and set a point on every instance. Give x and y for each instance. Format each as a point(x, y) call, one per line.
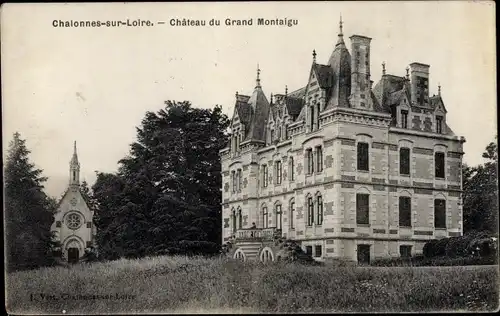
point(363, 254)
point(73, 255)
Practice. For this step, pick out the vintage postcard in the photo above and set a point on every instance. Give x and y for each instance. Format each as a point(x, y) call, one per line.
point(250, 157)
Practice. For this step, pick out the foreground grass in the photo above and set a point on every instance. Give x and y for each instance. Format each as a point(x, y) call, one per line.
point(196, 285)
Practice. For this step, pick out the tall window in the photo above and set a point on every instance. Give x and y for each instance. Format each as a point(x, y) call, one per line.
point(286, 131)
point(265, 218)
point(439, 124)
point(404, 161)
point(278, 172)
point(362, 208)
point(233, 180)
point(319, 159)
point(272, 136)
point(233, 220)
point(404, 211)
point(264, 176)
point(239, 180)
point(278, 216)
point(439, 213)
point(292, 214)
point(319, 219)
point(310, 161)
point(240, 220)
point(312, 118)
point(363, 156)
point(394, 115)
point(317, 114)
point(439, 164)
point(310, 211)
point(318, 251)
point(292, 174)
point(404, 119)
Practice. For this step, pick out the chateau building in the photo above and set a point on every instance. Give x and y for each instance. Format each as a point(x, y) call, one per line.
point(349, 169)
point(73, 225)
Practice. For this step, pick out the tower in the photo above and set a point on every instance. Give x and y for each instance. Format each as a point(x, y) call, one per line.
point(74, 169)
point(360, 72)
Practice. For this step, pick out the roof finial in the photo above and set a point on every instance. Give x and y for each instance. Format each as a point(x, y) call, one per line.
point(286, 90)
point(383, 68)
point(340, 26)
point(236, 94)
point(314, 56)
point(74, 148)
point(258, 75)
point(439, 89)
point(408, 73)
point(271, 97)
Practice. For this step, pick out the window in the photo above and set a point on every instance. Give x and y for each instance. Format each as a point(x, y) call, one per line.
point(73, 221)
point(317, 115)
point(278, 217)
point(363, 156)
point(394, 115)
point(404, 211)
point(309, 250)
point(318, 251)
point(362, 208)
point(233, 220)
point(265, 219)
point(264, 176)
point(404, 119)
point(319, 219)
point(58, 224)
point(405, 251)
point(89, 224)
point(439, 124)
point(319, 159)
point(439, 164)
point(240, 220)
point(312, 119)
point(286, 131)
point(363, 254)
point(239, 180)
point(404, 161)
point(310, 211)
point(439, 213)
point(310, 161)
point(278, 172)
point(272, 136)
point(292, 214)
point(233, 180)
point(292, 175)
point(74, 175)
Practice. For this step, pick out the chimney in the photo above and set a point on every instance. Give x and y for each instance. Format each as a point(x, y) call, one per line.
point(419, 81)
point(360, 72)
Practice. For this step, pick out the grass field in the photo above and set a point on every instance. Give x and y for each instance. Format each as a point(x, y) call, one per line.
point(197, 285)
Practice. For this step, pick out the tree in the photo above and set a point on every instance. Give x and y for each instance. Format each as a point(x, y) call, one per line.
point(166, 195)
point(28, 214)
point(480, 196)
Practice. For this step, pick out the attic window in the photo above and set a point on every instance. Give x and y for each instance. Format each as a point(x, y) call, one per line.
point(439, 124)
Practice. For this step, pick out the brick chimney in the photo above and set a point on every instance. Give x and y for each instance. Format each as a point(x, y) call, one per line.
point(360, 72)
point(419, 80)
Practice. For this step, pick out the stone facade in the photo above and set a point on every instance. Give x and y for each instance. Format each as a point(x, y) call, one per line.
point(334, 147)
point(73, 221)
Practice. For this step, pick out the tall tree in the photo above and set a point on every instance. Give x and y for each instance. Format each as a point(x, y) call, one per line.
point(480, 195)
point(28, 214)
point(166, 195)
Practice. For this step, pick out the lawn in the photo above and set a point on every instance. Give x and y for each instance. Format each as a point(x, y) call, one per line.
point(196, 285)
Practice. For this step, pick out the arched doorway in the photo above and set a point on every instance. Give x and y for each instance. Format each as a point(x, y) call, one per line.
point(266, 255)
point(73, 250)
point(239, 255)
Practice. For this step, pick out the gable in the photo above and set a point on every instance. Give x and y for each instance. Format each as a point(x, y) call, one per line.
point(73, 200)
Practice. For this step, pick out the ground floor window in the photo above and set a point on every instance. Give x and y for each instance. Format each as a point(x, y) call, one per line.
point(309, 250)
point(318, 251)
point(405, 251)
point(363, 254)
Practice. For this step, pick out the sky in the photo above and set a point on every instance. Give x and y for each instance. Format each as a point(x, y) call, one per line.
point(94, 85)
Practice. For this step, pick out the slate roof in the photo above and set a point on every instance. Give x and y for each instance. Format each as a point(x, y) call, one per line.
point(294, 105)
point(260, 109)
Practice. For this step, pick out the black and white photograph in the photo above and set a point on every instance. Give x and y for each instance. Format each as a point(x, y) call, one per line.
point(250, 157)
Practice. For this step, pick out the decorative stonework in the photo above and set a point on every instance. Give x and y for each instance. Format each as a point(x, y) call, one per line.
point(329, 161)
point(423, 151)
point(348, 178)
point(378, 231)
point(299, 168)
point(329, 208)
point(347, 185)
point(245, 183)
point(226, 187)
point(347, 230)
point(226, 222)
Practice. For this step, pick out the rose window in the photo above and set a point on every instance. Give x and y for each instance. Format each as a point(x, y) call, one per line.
point(73, 221)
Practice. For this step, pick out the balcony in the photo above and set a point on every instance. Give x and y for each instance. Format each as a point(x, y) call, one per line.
point(257, 234)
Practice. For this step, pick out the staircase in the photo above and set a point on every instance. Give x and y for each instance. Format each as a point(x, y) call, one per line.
point(250, 249)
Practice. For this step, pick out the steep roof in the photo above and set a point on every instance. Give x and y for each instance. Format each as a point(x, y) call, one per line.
point(324, 74)
point(260, 109)
point(294, 105)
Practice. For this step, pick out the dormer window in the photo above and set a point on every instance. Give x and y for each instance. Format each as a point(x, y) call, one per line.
point(439, 124)
point(404, 119)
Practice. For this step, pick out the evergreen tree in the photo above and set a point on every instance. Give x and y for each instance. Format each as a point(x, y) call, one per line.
point(166, 196)
point(28, 215)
